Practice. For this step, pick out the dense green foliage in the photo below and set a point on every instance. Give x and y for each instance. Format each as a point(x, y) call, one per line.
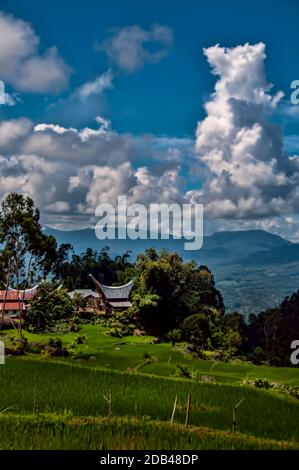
point(271, 333)
point(49, 305)
point(73, 269)
point(168, 290)
point(27, 252)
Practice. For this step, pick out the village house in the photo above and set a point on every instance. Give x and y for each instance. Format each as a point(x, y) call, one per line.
point(113, 298)
point(106, 298)
point(14, 302)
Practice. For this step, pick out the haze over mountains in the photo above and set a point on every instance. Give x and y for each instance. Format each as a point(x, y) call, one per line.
point(254, 269)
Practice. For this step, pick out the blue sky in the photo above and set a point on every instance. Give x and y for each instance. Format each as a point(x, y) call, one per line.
point(132, 97)
point(166, 98)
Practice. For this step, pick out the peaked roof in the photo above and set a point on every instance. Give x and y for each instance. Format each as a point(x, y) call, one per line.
point(31, 290)
point(113, 292)
point(117, 292)
point(85, 293)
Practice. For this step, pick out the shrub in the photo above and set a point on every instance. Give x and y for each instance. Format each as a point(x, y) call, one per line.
point(54, 348)
point(119, 329)
point(174, 336)
point(55, 342)
point(79, 340)
point(292, 390)
point(34, 347)
point(53, 351)
point(15, 347)
point(63, 326)
point(184, 371)
point(258, 356)
point(262, 383)
point(116, 332)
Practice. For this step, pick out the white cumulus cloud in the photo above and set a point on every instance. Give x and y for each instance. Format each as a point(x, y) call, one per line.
point(69, 171)
point(248, 173)
point(22, 65)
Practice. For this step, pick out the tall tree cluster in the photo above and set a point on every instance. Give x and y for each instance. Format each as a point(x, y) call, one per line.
point(73, 269)
point(26, 251)
point(271, 333)
point(168, 290)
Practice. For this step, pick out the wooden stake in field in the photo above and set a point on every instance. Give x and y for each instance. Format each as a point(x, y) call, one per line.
point(35, 405)
point(174, 408)
point(109, 401)
point(33, 400)
point(188, 410)
point(234, 415)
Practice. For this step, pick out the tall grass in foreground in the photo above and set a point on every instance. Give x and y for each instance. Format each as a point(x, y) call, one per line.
point(60, 388)
point(42, 432)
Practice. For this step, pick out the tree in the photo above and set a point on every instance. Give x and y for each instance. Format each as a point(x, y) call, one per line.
point(49, 305)
point(27, 252)
point(234, 333)
point(273, 331)
point(174, 336)
point(167, 290)
point(209, 330)
point(197, 331)
point(61, 266)
point(22, 236)
point(227, 342)
point(73, 269)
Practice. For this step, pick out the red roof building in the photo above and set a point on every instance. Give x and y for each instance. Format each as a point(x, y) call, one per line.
point(12, 302)
point(14, 296)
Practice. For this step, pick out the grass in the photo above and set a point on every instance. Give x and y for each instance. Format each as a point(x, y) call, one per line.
point(62, 433)
point(79, 391)
point(59, 403)
point(127, 353)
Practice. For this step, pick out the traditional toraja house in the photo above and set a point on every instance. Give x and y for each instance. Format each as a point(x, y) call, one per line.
point(113, 297)
point(13, 301)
